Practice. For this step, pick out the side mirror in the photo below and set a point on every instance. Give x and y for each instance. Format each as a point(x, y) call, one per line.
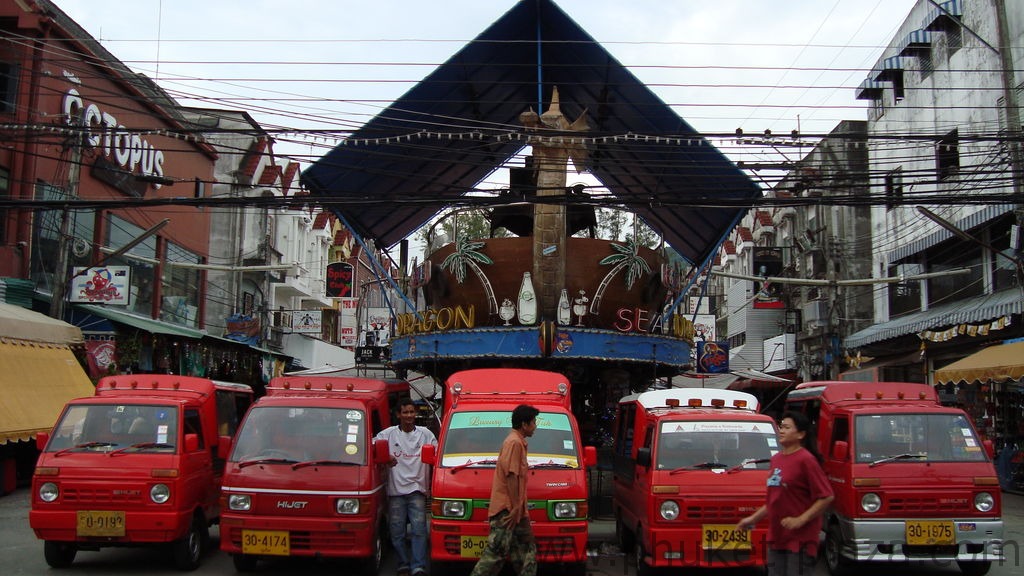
point(990, 449)
point(589, 456)
point(840, 450)
point(223, 447)
point(42, 439)
point(191, 442)
point(380, 451)
point(428, 454)
point(643, 457)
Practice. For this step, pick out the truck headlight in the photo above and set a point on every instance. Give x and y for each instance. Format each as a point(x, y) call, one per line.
point(239, 502)
point(669, 510)
point(453, 508)
point(871, 502)
point(159, 493)
point(347, 506)
point(48, 492)
point(565, 509)
point(984, 502)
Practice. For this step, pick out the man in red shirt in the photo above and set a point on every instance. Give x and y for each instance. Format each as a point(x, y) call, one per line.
point(798, 495)
point(511, 534)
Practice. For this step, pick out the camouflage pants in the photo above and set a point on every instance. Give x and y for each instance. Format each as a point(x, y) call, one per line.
point(514, 543)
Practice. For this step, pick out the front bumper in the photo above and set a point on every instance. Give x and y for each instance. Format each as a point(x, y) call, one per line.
point(322, 537)
point(885, 541)
point(684, 547)
point(556, 541)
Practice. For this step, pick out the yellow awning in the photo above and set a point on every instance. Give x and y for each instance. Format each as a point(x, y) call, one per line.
point(993, 364)
point(36, 380)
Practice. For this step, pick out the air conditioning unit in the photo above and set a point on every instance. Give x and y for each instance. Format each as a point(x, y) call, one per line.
point(816, 312)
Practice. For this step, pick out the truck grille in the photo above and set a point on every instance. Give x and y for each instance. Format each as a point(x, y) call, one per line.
point(714, 513)
point(548, 549)
point(930, 505)
point(103, 495)
point(303, 540)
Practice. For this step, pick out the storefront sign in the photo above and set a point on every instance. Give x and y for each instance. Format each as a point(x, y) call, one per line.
point(444, 319)
point(307, 322)
point(339, 280)
point(125, 147)
point(107, 285)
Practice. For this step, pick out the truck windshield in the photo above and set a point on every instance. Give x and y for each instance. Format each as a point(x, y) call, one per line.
point(290, 434)
point(925, 437)
point(711, 444)
point(105, 427)
point(477, 436)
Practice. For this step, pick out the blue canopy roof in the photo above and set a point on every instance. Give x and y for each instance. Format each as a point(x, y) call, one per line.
point(482, 89)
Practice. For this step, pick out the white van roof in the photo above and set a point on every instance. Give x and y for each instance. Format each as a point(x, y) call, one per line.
point(658, 398)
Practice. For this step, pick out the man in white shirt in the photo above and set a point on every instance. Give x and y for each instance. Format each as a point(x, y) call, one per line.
point(408, 486)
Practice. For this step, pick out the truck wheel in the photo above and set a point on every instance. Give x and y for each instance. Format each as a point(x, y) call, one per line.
point(189, 549)
point(642, 568)
point(834, 560)
point(974, 567)
point(244, 562)
point(59, 554)
point(371, 564)
point(575, 568)
point(623, 535)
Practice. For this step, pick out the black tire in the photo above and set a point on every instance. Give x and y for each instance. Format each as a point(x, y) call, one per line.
point(974, 567)
point(574, 568)
point(624, 536)
point(188, 551)
point(642, 568)
point(244, 562)
point(59, 554)
point(835, 562)
point(370, 565)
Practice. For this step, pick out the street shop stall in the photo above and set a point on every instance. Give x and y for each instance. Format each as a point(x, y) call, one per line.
point(39, 373)
point(988, 384)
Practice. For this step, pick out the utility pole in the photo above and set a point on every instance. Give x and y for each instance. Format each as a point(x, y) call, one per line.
point(60, 277)
point(1012, 115)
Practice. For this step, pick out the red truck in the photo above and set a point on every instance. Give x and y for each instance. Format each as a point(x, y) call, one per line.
point(688, 465)
point(477, 417)
point(911, 477)
point(305, 477)
point(138, 463)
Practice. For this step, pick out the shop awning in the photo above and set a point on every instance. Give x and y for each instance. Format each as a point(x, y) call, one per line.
point(142, 323)
point(36, 380)
point(993, 364)
point(24, 324)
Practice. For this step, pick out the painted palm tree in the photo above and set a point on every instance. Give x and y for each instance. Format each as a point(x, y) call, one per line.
point(626, 257)
point(467, 255)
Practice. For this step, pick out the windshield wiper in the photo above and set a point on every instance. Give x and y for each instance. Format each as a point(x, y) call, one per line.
point(701, 466)
point(896, 457)
point(308, 463)
point(471, 463)
point(142, 446)
point(84, 445)
point(552, 465)
point(247, 463)
point(745, 463)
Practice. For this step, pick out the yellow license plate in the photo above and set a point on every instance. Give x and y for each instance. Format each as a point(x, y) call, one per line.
point(472, 546)
point(266, 542)
point(100, 523)
point(930, 533)
point(725, 537)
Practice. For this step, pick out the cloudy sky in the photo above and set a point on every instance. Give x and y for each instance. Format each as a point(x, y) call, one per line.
point(721, 65)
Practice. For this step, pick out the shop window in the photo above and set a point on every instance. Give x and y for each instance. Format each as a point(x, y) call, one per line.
point(952, 287)
point(8, 87)
point(947, 155)
point(180, 287)
point(119, 233)
point(46, 237)
point(905, 297)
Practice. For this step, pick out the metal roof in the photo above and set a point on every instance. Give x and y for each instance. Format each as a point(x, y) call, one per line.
point(646, 155)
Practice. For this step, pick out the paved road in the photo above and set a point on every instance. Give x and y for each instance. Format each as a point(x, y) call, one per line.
point(21, 554)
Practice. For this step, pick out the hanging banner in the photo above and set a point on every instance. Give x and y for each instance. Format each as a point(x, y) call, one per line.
point(767, 262)
point(242, 328)
point(307, 322)
point(107, 285)
point(339, 280)
point(713, 357)
point(100, 352)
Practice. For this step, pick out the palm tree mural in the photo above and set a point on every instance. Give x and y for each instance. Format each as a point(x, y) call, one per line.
point(626, 257)
point(467, 254)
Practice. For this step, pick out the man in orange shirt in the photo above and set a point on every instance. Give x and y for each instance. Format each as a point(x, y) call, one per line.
point(511, 533)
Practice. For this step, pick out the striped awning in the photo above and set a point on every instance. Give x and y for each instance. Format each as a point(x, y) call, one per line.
point(976, 219)
point(916, 40)
point(947, 14)
point(869, 90)
point(960, 312)
point(890, 69)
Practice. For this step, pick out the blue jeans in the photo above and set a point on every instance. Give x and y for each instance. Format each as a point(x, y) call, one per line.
point(411, 509)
